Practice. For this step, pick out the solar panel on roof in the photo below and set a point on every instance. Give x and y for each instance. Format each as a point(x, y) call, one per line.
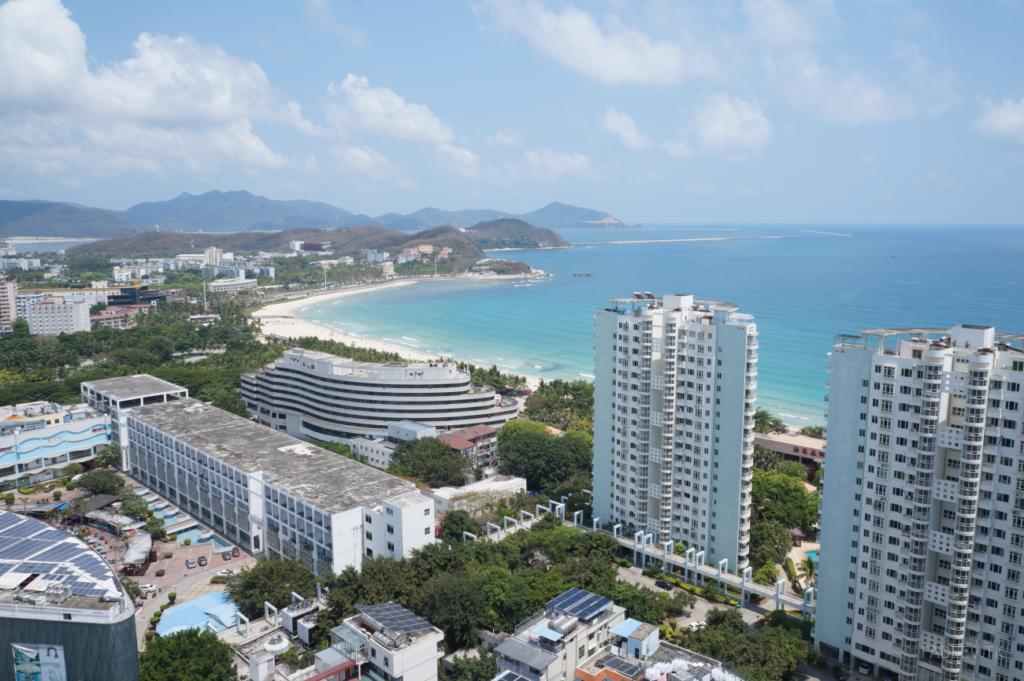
point(580, 603)
point(618, 664)
point(19, 531)
point(510, 676)
point(8, 519)
point(394, 617)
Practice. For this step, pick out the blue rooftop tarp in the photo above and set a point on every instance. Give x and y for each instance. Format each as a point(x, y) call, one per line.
point(549, 634)
point(626, 628)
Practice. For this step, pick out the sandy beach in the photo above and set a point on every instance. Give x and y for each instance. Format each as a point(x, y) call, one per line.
point(278, 320)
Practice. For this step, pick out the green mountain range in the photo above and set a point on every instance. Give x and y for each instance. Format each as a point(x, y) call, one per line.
point(240, 211)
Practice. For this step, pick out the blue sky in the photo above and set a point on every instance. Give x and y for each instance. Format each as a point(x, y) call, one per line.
point(759, 111)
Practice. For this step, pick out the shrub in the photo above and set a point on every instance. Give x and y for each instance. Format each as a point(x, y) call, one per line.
point(172, 597)
point(173, 537)
point(70, 486)
point(150, 635)
point(217, 579)
point(57, 494)
point(25, 490)
point(154, 619)
point(164, 606)
point(790, 569)
point(169, 555)
point(189, 541)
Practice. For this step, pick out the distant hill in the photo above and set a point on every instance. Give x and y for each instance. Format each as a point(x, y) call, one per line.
point(344, 241)
point(46, 218)
point(237, 211)
point(513, 233)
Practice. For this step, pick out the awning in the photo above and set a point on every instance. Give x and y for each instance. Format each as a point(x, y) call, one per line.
point(544, 632)
point(626, 628)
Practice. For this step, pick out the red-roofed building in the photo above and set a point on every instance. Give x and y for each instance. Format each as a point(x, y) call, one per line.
point(479, 443)
point(119, 316)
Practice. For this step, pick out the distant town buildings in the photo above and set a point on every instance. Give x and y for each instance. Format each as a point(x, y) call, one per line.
point(317, 395)
point(212, 257)
point(231, 285)
point(54, 316)
point(119, 316)
point(8, 302)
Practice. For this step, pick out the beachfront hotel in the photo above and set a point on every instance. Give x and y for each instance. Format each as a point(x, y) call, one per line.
point(268, 492)
point(922, 522)
point(316, 395)
point(673, 422)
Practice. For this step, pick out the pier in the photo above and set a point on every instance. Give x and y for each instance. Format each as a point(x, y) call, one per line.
point(581, 274)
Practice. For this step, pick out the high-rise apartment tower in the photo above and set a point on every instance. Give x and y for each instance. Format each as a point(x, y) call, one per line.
point(675, 382)
point(922, 520)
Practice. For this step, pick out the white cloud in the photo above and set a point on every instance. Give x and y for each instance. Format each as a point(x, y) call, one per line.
point(321, 12)
point(550, 166)
point(725, 126)
point(612, 53)
point(461, 161)
point(505, 138)
point(361, 160)
point(380, 111)
point(624, 126)
point(174, 101)
point(1003, 122)
point(702, 188)
point(408, 184)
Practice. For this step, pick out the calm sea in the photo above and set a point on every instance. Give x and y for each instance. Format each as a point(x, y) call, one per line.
point(801, 291)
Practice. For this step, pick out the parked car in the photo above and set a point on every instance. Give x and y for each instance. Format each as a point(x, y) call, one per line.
point(160, 572)
point(147, 588)
point(226, 555)
point(225, 573)
point(694, 626)
point(864, 668)
point(663, 584)
point(189, 563)
point(49, 488)
point(202, 560)
point(234, 552)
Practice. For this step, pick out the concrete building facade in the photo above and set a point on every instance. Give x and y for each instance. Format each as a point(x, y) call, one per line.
point(674, 401)
point(311, 394)
point(54, 316)
point(923, 515)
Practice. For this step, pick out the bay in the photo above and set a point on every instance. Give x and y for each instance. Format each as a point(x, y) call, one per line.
point(801, 291)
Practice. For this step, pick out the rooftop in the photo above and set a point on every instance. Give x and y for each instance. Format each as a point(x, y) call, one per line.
point(455, 442)
point(479, 430)
point(131, 387)
point(331, 482)
point(52, 567)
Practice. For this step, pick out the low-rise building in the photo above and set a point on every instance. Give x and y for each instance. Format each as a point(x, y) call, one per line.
point(54, 316)
point(377, 451)
point(269, 492)
point(810, 451)
point(63, 612)
point(387, 642)
point(231, 285)
point(477, 495)
point(119, 316)
point(550, 645)
point(479, 443)
point(38, 439)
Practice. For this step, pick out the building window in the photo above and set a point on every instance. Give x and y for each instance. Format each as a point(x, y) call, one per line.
point(426, 530)
point(391, 529)
point(391, 546)
point(369, 535)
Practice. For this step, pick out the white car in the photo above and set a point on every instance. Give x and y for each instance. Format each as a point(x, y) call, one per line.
point(694, 626)
point(148, 588)
point(864, 669)
point(225, 573)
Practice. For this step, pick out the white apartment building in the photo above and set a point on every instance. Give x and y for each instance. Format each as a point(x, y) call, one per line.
point(54, 316)
point(269, 492)
point(212, 256)
point(673, 421)
point(231, 285)
point(310, 394)
point(8, 302)
point(923, 513)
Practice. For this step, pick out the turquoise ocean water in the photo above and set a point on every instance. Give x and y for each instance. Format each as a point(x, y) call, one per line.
point(802, 292)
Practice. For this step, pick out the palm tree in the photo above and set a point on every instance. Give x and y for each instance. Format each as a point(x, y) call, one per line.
point(766, 459)
point(807, 570)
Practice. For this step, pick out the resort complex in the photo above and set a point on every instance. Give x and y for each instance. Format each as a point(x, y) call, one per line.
point(922, 528)
point(674, 392)
point(310, 394)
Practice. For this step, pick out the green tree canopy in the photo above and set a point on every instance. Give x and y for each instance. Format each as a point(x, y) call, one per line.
point(769, 541)
point(430, 460)
point(530, 451)
point(452, 603)
point(567, 405)
point(109, 456)
point(766, 422)
point(102, 481)
point(135, 507)
point(794, 469)
point(455, 523)
point(188, 655)
point(72, 469)
point(272, 580)
point(784, 499)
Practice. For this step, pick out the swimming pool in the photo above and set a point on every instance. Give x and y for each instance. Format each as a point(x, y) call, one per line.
point(193, 534)
point(813, 555)
point(213, 609)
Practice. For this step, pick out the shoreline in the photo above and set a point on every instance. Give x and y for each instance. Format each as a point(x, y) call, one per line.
point(278, 319)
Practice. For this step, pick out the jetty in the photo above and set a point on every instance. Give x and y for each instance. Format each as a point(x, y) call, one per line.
point(581, 274)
